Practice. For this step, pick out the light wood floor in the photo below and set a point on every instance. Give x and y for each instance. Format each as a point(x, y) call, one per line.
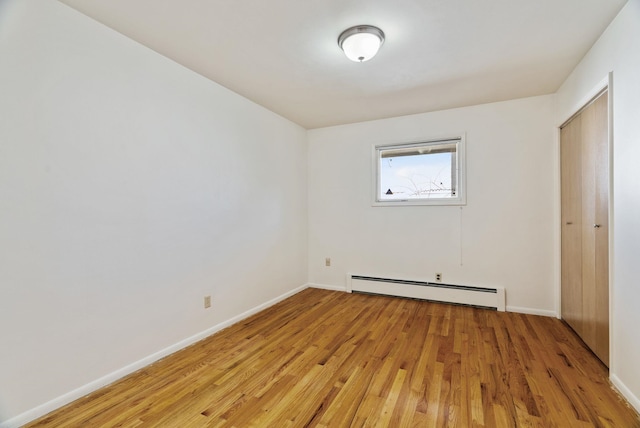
point(323, 358)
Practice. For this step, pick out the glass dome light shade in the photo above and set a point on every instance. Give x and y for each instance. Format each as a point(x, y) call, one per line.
point(361, 43)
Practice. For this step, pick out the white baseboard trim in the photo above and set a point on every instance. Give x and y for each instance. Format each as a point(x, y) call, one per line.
point(625, 392)
point(518, 309)
point(532, 311)
point(327, 287)
point(68, 397)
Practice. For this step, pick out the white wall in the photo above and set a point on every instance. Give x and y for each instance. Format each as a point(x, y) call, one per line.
point(130, 187)
point(617, 50)
point(504, 236)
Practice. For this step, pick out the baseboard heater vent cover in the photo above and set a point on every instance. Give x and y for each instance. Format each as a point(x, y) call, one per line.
point(484, 297)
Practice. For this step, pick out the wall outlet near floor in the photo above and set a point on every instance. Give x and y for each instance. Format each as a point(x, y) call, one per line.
point(207, 302)
point(439, 277)
point(327, 261)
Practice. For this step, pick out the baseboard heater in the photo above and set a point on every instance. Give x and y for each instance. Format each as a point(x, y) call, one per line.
point(484, 297)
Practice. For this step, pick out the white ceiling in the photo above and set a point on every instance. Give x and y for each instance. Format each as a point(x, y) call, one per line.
point(438, 54)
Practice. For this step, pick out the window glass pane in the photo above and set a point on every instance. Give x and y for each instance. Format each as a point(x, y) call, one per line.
point(421, 172)
point(416, 177)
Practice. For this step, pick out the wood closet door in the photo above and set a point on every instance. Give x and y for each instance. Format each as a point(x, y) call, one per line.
point(598, 311)
point(585, 222)
point(571, 248)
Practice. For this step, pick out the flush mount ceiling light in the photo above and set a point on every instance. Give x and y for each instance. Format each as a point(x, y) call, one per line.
point(361, 43)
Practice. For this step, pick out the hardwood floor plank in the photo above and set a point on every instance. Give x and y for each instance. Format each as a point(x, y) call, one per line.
point(331, 359)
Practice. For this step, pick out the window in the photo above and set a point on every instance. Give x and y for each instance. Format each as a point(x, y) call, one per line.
point(426, 173)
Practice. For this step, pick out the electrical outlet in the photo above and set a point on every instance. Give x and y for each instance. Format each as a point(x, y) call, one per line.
point(207, 302)
point(327, 261)
point(439, 277)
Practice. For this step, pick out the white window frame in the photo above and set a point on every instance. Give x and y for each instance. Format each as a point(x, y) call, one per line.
point(460, 199)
